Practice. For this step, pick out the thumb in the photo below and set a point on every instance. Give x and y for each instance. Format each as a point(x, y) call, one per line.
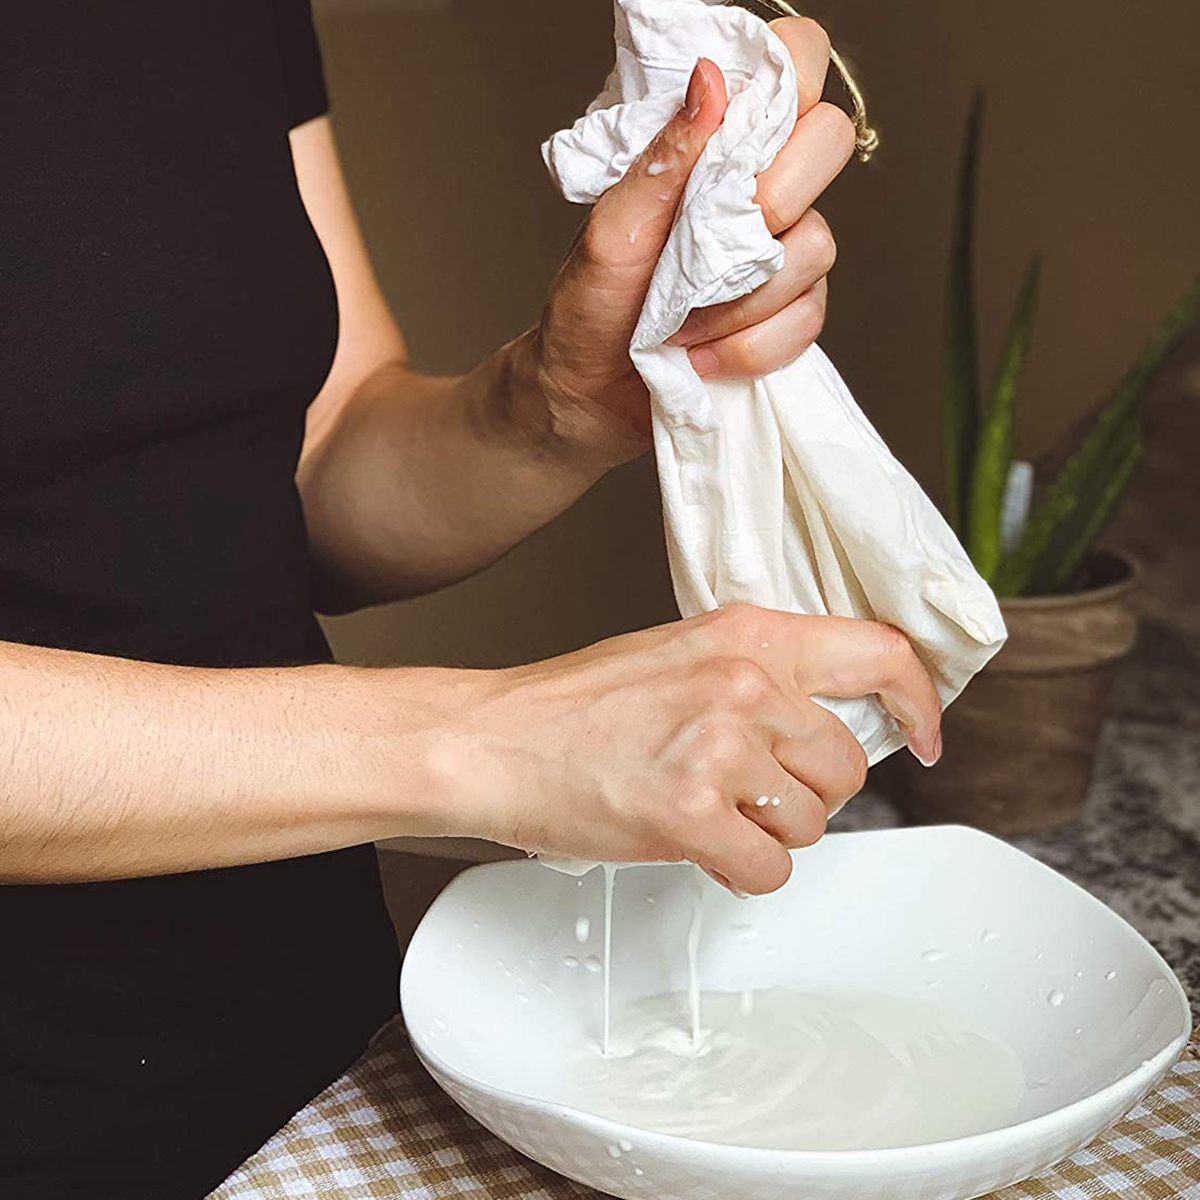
point(630, 222)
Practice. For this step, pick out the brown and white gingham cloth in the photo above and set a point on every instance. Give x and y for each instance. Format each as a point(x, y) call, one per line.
point(385, 1129)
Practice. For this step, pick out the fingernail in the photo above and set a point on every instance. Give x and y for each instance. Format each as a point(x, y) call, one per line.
point(704, 361)
point(930, 757)
point(697, 92)
point(717, 877)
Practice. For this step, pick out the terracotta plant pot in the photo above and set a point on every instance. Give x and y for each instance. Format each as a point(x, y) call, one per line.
point(1020, 742)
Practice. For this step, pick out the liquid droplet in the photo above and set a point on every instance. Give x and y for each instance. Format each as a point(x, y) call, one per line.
point(583, 928)
point(523, 997)
point(638, 1171)
point(624, 1145)
point(1111, 976)
point(571, 961)
point(614, 1151)
point(933, 956)
point(988, 935)
point(1039, 1084)
point(649, 899)
point(1078, 974)
point(1039, 956)
point(1078, 1032)
point(592, 963)
point(439, 1022)
point(458, 945)
point(1055, 999)
point(546, 986)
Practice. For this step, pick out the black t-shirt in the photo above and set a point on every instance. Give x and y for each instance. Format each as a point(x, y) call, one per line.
point(167, 315)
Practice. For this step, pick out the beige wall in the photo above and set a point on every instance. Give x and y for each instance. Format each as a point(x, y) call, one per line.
point(1089, 157)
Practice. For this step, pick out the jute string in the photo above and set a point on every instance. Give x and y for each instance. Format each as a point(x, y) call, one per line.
point(866, 140)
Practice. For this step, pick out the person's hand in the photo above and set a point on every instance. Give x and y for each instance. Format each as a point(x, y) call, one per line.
point(581, 347)
point(662, 745)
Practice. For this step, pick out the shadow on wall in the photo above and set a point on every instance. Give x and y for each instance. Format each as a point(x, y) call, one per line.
point(440, 109)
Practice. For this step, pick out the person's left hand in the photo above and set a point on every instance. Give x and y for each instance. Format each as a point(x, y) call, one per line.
point(595, 398)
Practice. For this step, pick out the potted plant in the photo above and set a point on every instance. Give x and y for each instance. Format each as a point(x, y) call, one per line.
point(1021, 741)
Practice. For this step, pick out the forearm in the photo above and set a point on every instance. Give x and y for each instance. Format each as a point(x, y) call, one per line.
point(112, 768)
point(423, 480)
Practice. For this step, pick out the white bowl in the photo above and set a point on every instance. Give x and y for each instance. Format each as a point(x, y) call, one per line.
point(492, 1006)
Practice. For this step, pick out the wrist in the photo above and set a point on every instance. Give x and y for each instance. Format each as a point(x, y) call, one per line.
point(554, 421)
point(415, 753)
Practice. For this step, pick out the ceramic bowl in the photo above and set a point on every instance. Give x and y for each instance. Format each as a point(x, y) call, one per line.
point(1092, 1012)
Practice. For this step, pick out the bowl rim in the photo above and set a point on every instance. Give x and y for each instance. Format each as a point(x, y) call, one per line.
point(1143, 1077)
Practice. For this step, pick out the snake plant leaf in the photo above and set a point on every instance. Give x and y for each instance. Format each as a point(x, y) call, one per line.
point(960, 388)
point(1080, 472)
point(994, 452)
point(1070, 547)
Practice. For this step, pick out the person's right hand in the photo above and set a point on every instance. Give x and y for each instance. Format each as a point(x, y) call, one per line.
point(658, 745)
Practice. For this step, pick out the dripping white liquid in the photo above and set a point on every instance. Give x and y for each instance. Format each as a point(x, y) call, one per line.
point(783, 1069)
point(695, 924)
point(609, 875)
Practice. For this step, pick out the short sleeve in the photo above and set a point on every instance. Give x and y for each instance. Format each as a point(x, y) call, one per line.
point(299, 61)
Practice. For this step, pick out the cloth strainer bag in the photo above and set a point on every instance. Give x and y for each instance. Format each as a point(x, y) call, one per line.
point(776, 491)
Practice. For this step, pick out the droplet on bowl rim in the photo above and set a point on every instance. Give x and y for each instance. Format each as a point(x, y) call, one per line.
point(1110, 976)
point(1055, 999)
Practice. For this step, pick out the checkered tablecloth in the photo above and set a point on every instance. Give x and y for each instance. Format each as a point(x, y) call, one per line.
point(385, 1129)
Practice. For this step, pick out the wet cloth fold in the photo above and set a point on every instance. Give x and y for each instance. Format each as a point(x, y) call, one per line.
point(776, 491)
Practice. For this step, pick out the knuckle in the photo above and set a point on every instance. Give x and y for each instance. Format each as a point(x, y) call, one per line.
point(725, 746)
point(748, 352)
point(894, 647)
point(856, 770)
point(840, 127)
point(770, 874)
point(592, 245)
point(847, 771)
point(811, 828)
point(816, 37)
point(810, 319)
point(740, 622)
point(772, 202)
point(698, 800)
point(809, 46)
point(745, 684)
point(820, 246)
